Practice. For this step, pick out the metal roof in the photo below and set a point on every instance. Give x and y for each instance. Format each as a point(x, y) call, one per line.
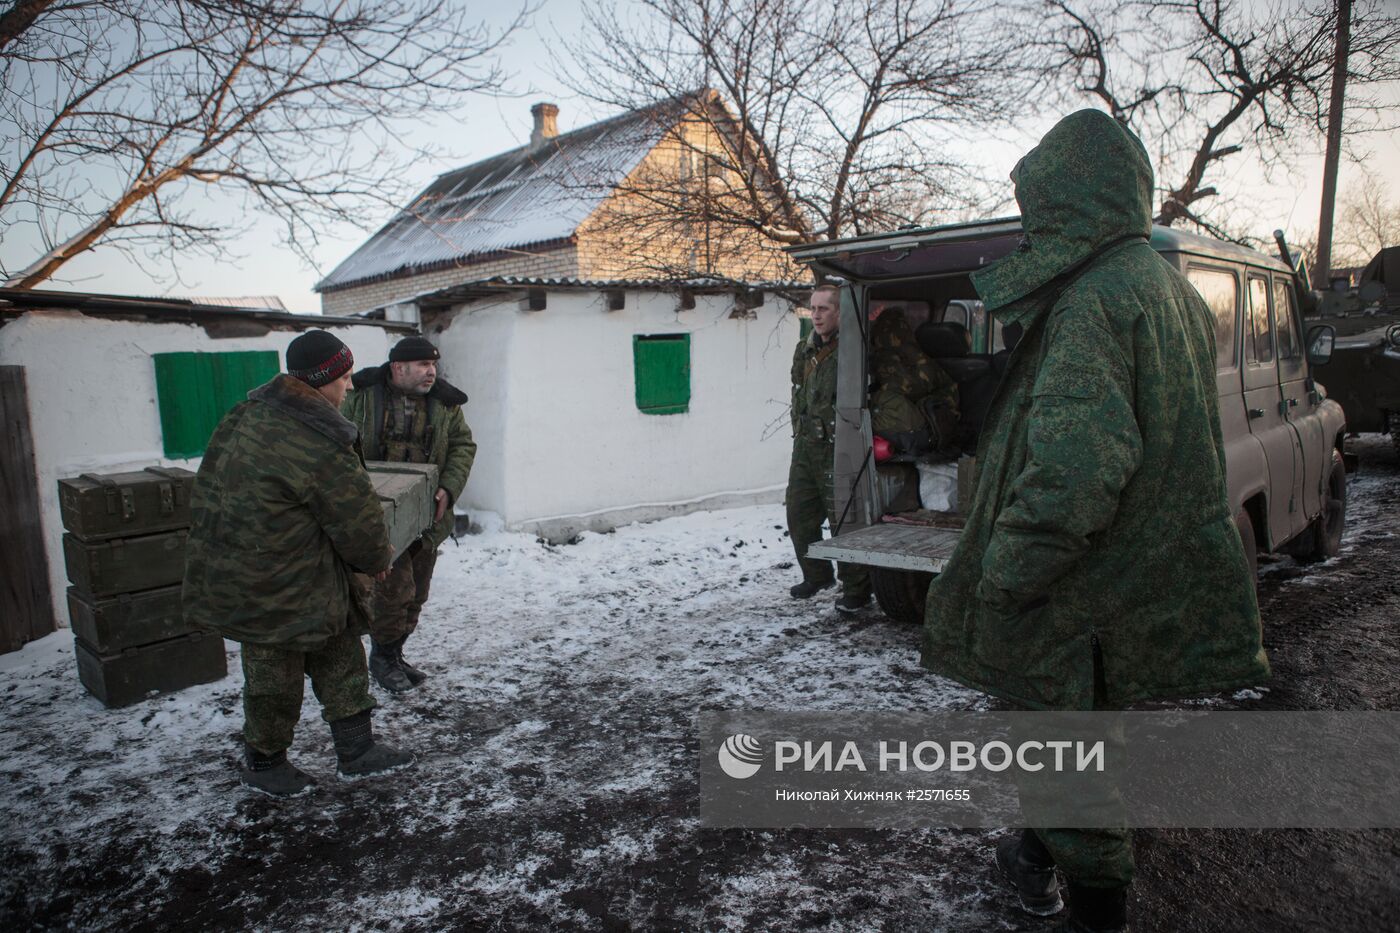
point(498, 283)
point(14, 302)
point(518, 199)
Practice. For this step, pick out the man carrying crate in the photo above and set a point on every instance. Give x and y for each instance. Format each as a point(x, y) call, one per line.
point(406, 413)
point(283, 513)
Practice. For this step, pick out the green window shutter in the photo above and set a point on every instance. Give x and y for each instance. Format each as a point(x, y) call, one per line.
point(805, 327)
point(195, 390)
point(661, 368)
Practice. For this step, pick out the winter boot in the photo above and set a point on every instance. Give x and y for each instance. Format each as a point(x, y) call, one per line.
point(1028, 865)
point(384, 667)
point(273, 774)
point(809, 588)
point(1096, 910)
point(357, 751)
point(415, 676)
point(850, 603)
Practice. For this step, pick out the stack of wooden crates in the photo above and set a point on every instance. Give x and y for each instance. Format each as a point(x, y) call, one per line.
point(125, 552)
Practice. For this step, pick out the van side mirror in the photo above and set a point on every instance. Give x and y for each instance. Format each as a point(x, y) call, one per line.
point(1321, 340)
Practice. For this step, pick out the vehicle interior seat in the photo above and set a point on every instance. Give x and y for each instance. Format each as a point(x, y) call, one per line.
point(948, 342)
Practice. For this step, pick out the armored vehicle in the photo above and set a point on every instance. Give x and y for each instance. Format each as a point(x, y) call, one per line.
point(1283, 436)
point(1364, 372)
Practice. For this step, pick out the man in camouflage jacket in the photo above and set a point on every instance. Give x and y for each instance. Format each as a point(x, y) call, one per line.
point(406, 413)
point(283, 513)
point(811, 495)
point(1099, 565)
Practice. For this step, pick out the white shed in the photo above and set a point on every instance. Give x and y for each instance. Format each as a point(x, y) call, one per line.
point(595, 403)
point(88, 384)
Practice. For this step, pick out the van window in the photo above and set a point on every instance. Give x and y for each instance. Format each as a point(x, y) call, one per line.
point(1259, 341)
point(1289, 346)
point(1217, 287)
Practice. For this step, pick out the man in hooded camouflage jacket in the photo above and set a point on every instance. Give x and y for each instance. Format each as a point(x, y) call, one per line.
point(283, 513)
point(407, 413)
point(1099, 565)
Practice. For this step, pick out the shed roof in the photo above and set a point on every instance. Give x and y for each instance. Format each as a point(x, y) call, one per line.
point(526, 197)
point(15, 302)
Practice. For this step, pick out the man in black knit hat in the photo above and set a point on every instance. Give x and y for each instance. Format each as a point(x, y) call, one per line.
point(283, 515)
point(407, 413)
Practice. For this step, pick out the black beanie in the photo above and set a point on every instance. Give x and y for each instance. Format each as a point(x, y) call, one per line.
point(318, 358)
point(413, 348)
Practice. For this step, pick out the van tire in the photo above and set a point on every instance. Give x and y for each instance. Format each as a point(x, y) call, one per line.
point(901, 593)
point(1324, 539)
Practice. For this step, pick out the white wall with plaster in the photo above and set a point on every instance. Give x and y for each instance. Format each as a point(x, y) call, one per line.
point(92, 397)
point(563, 446)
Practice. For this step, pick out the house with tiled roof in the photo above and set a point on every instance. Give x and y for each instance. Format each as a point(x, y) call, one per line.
point(568, 205)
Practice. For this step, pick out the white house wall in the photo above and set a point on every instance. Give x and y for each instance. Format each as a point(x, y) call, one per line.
point(475, 345)
point(576, 451)
point(92, 397)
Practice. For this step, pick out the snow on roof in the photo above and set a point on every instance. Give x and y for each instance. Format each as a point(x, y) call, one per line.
point(270, 302)
point(524, 197)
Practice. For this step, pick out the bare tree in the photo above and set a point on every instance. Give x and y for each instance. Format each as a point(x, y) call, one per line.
point(118, 112)
point(1369, 222)
point(1205, 80)
point(799, 120)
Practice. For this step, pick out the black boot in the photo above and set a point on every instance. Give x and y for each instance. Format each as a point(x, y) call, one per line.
point(1096, 910)
point(384, 666)
point(809, 588)
point(1029, 866)
point(357, 751)
point(851, 603)
point(273, 774)
point(415, 676)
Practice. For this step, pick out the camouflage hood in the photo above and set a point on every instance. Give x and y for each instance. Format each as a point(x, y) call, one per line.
point(298, 400)
point(1085, 186)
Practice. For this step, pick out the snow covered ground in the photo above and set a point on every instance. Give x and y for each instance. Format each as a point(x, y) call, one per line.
point(556, 781)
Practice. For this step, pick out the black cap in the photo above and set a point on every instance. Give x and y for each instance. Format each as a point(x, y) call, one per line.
point(413, 348)
point(318, 358)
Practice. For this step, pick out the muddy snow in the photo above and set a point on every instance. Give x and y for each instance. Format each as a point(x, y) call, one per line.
point(555, 784)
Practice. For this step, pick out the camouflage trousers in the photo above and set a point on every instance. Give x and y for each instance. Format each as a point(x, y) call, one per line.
point(399, 597)
point(811, 500)
point(273, 679)
point(1095, 858)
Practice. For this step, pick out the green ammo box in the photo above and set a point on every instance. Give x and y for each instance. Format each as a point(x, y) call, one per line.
point(406, 492)
point(125, 565)
point(133, 674)
point(111, 625)
point(126, 504)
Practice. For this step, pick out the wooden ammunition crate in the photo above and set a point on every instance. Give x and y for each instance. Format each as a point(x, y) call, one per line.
point(129, 620)
point(125, 565)
point(118, 505)
point(135, 673)
point(406, 492)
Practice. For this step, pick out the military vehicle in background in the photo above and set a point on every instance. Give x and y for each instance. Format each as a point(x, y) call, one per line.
point(1283, 435)
point(1363, 374)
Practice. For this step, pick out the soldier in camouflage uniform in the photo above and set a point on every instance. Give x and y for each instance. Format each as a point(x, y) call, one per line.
point(283, 514)
point(811, 495)
point(1100, 564)
point(406, 413)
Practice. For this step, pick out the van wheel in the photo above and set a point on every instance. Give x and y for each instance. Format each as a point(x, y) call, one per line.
point(901, 593)
point(1245, 526)
point(1325, 533)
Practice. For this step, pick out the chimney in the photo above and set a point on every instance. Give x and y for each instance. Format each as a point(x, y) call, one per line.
point(545, 126)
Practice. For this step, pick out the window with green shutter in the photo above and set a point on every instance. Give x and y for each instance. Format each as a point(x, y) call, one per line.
point(661, 367)
point(804, 327)
point(195, 390)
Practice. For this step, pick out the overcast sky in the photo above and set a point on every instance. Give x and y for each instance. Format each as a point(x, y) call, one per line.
point(488, 125)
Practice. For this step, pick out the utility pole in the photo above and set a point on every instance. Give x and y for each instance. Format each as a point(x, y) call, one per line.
point(1323, 266)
